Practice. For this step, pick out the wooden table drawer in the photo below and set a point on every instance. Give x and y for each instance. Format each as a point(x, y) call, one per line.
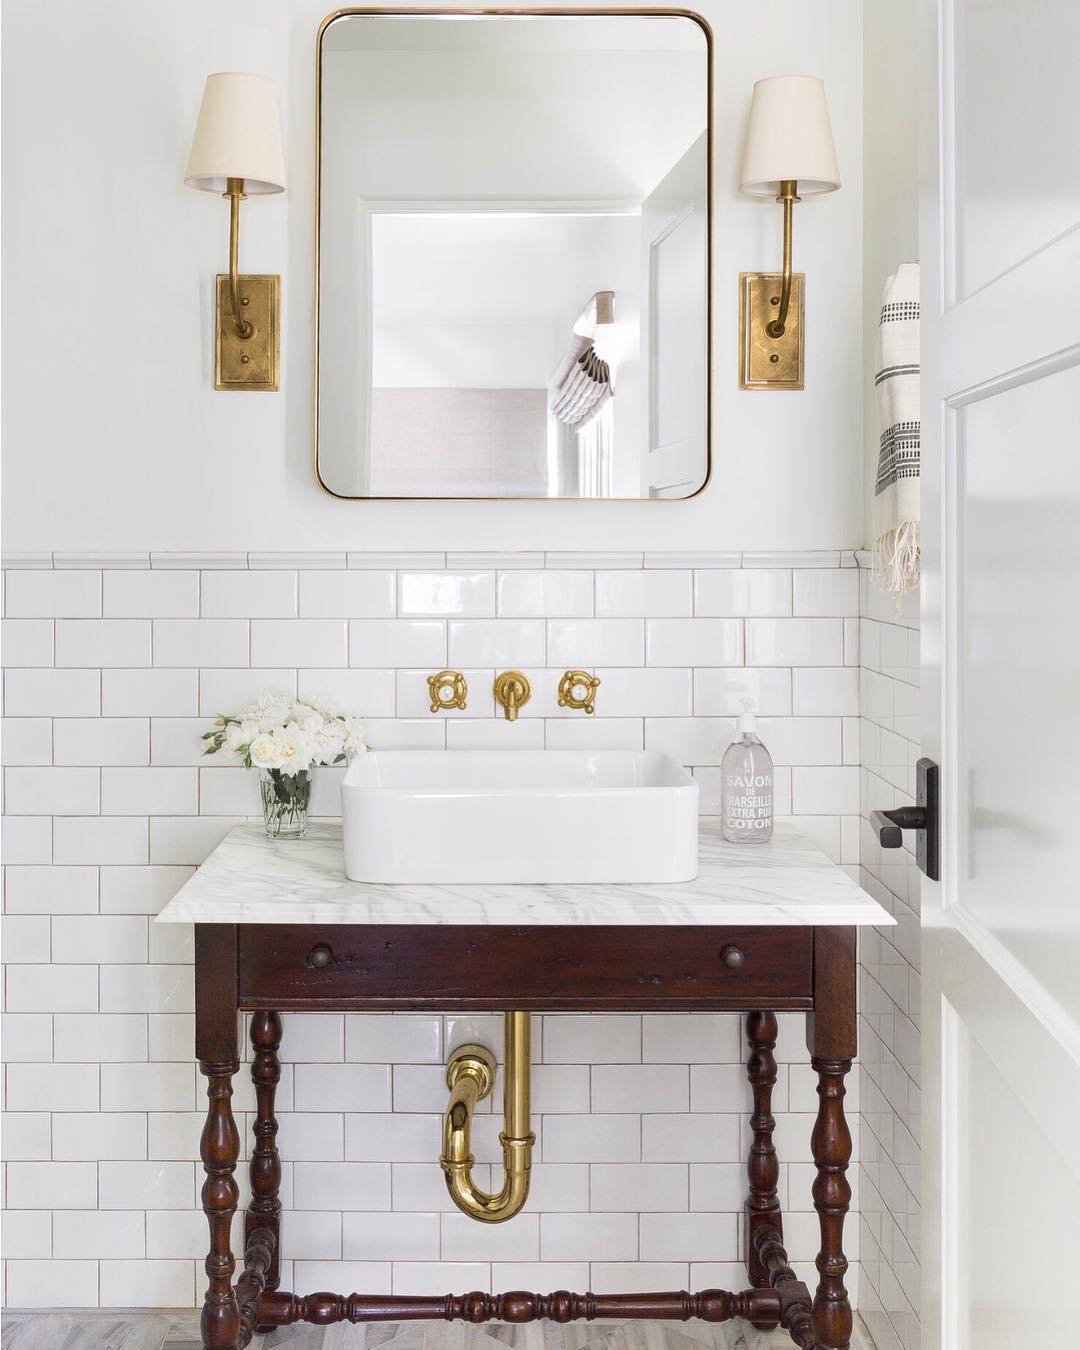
point(300, 966)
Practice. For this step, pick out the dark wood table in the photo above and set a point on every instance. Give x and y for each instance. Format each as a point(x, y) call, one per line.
point(269, 969)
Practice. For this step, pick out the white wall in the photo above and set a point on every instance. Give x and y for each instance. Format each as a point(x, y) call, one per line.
point(890, 181)
point(115, 438)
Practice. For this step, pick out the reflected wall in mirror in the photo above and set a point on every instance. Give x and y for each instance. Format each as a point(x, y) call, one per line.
point(513, 235)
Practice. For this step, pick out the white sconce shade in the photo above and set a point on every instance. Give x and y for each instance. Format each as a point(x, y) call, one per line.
point(789, 138)
point(238, 135)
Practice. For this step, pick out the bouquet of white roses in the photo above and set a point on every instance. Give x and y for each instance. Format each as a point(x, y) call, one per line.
point(287, 737)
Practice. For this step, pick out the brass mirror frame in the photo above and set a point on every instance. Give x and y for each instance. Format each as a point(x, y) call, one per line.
point(702, 23)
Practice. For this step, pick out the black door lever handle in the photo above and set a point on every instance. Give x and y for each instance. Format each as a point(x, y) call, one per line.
point(889, 826)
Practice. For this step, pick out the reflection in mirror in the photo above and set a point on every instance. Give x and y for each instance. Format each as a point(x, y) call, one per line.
point(513, 256)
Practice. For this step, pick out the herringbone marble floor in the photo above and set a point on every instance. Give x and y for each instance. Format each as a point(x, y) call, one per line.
point(179, 1331)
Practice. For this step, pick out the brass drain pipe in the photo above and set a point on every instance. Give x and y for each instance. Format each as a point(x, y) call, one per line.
point(470, 1076)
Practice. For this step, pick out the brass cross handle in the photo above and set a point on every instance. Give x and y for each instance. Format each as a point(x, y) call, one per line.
point(577, 689)
point(448, 690)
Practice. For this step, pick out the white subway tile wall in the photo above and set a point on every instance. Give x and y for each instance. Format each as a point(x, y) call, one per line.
point(889, 991)
point(641, 1131)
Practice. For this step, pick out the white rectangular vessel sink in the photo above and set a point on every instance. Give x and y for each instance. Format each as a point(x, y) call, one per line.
point(519, 816)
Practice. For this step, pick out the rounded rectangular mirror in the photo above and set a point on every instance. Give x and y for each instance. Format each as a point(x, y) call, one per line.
point(513, 217)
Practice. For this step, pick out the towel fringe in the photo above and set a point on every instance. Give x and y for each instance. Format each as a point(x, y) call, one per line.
point(895, 560)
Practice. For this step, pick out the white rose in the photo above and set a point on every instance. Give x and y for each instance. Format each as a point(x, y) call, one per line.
point(310, 719)
point(256, 711)
point(327, 742)
point(265, 752)
point(236, 737)
point(293, 748)
point(354, 740)
point(317, 703)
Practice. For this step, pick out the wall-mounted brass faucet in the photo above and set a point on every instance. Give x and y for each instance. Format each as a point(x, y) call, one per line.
point(470, 1076)
point(512, 691)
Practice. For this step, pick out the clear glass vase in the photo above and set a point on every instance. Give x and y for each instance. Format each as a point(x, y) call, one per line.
point(285, 799)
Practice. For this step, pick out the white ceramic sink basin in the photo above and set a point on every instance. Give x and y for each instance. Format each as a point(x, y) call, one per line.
point(519, 816)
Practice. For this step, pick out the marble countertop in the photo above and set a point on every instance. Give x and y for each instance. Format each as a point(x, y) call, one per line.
point(252, 879)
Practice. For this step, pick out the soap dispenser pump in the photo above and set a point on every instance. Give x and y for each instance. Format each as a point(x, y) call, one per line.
point(746, 785)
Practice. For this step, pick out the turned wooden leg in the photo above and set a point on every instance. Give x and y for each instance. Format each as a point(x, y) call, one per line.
point(831, 1144)
point(220, 1149)
point(762, 1166)
point(264, 1212)
point(217, 1049)
point(831, 1037)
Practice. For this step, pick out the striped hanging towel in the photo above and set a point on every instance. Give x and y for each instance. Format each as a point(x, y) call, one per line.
point(896, 492)
point(581, 385)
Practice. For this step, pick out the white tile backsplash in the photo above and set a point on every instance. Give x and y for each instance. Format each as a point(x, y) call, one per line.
point(298, 642)
point(103, 642)
point(693, 642)
point(889, 964)
point(823, 591)
point(27, 642)
point(52, 693)
point(100, 741)
point(27, 740)
point(453, 594)
point(52, 791)
point(147, 693)
point(639, 1165)
point(496, 642)
point(389, 643)
point(356, 594)
point(249, 595)
point(149, 791)
point(794, 642)
point(643, 593)
point(544, 594)
point(133, 594)
point(743, 591)
point(591, 642)
point(53, 594)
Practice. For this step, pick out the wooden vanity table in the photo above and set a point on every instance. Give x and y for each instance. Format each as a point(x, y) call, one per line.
point(762, 929)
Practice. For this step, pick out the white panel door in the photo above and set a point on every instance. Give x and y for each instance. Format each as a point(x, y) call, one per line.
point(1000, 245)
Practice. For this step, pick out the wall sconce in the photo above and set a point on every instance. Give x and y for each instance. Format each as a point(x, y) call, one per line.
point(237, 152)
point(789, 155)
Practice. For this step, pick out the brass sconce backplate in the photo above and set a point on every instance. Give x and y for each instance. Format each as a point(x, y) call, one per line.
point(250, 362)
point(766, 362)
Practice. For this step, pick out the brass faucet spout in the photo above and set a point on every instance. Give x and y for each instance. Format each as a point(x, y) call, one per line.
point(470, 1077)
point(512, 691)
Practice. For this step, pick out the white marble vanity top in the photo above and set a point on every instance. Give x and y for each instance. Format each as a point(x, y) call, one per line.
point(252, 879)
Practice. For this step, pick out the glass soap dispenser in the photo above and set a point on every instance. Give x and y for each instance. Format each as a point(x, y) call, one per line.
point(746, 786)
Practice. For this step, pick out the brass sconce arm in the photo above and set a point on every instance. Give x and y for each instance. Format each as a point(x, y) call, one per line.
point(787, 198)
point(470, 1078)
point(235, 194)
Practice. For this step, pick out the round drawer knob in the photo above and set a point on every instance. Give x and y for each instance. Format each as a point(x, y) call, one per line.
point(320, 957)
point(733, 957)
